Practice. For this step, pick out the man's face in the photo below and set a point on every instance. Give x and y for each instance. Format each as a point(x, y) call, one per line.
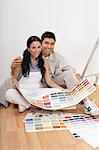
point(48, 46)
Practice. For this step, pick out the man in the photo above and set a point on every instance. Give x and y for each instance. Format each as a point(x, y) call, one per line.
point(61, 72)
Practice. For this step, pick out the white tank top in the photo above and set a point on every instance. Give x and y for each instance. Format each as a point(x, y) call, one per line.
point(30, 84)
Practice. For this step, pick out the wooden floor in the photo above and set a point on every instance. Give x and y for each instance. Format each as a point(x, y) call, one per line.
point(14, 137)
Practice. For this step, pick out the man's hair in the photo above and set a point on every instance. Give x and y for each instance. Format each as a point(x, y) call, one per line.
point(48, 34)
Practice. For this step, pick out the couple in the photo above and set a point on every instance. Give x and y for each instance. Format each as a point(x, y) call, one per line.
point(36, 66)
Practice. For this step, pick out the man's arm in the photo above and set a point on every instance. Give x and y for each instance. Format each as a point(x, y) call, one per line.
point(16, 63)
point(15, 70)
point(62, 64)
point(16, 73)
point(48, 78)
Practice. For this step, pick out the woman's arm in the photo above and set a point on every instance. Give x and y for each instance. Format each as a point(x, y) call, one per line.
point(48, 79)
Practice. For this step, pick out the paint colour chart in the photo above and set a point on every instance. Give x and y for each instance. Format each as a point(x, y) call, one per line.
point(35, 122)
point(59, 100)
point(80, 125)
point(47, 121)
point(89, 134)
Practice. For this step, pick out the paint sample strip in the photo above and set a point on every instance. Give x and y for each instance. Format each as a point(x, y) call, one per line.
point(62, 99)
point(59, 121)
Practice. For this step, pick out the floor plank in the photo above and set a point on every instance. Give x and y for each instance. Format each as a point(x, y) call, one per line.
point(14, 137)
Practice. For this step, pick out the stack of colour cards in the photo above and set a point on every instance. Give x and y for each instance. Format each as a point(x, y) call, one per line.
point(59, 100)
point(80, 125)
point(35, 122)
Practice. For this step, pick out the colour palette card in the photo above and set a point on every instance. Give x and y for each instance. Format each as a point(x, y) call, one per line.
point(57, 121)
point(80, 125)
point(37, 112)
point(59, 100)
point(79, 122)
point(44, 122)
point(62, 99)
point(90, 135)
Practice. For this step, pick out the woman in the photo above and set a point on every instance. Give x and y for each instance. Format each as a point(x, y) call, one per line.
point(34, 69)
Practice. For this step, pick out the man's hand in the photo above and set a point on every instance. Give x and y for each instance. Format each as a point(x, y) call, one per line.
point(16, 62)
point(15, 82)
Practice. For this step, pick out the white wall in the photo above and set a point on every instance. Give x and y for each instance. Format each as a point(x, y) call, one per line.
point(75, 23)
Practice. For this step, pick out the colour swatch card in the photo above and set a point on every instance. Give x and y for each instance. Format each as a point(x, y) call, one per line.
point(58, 120)
point(44, 122)
point(59, 100)
point(90, 134)
point(80, 125)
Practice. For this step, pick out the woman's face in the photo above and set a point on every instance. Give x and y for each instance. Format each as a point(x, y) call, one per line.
point(35, 49)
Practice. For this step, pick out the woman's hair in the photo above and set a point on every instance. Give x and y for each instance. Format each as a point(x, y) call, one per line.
point(26, 58)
